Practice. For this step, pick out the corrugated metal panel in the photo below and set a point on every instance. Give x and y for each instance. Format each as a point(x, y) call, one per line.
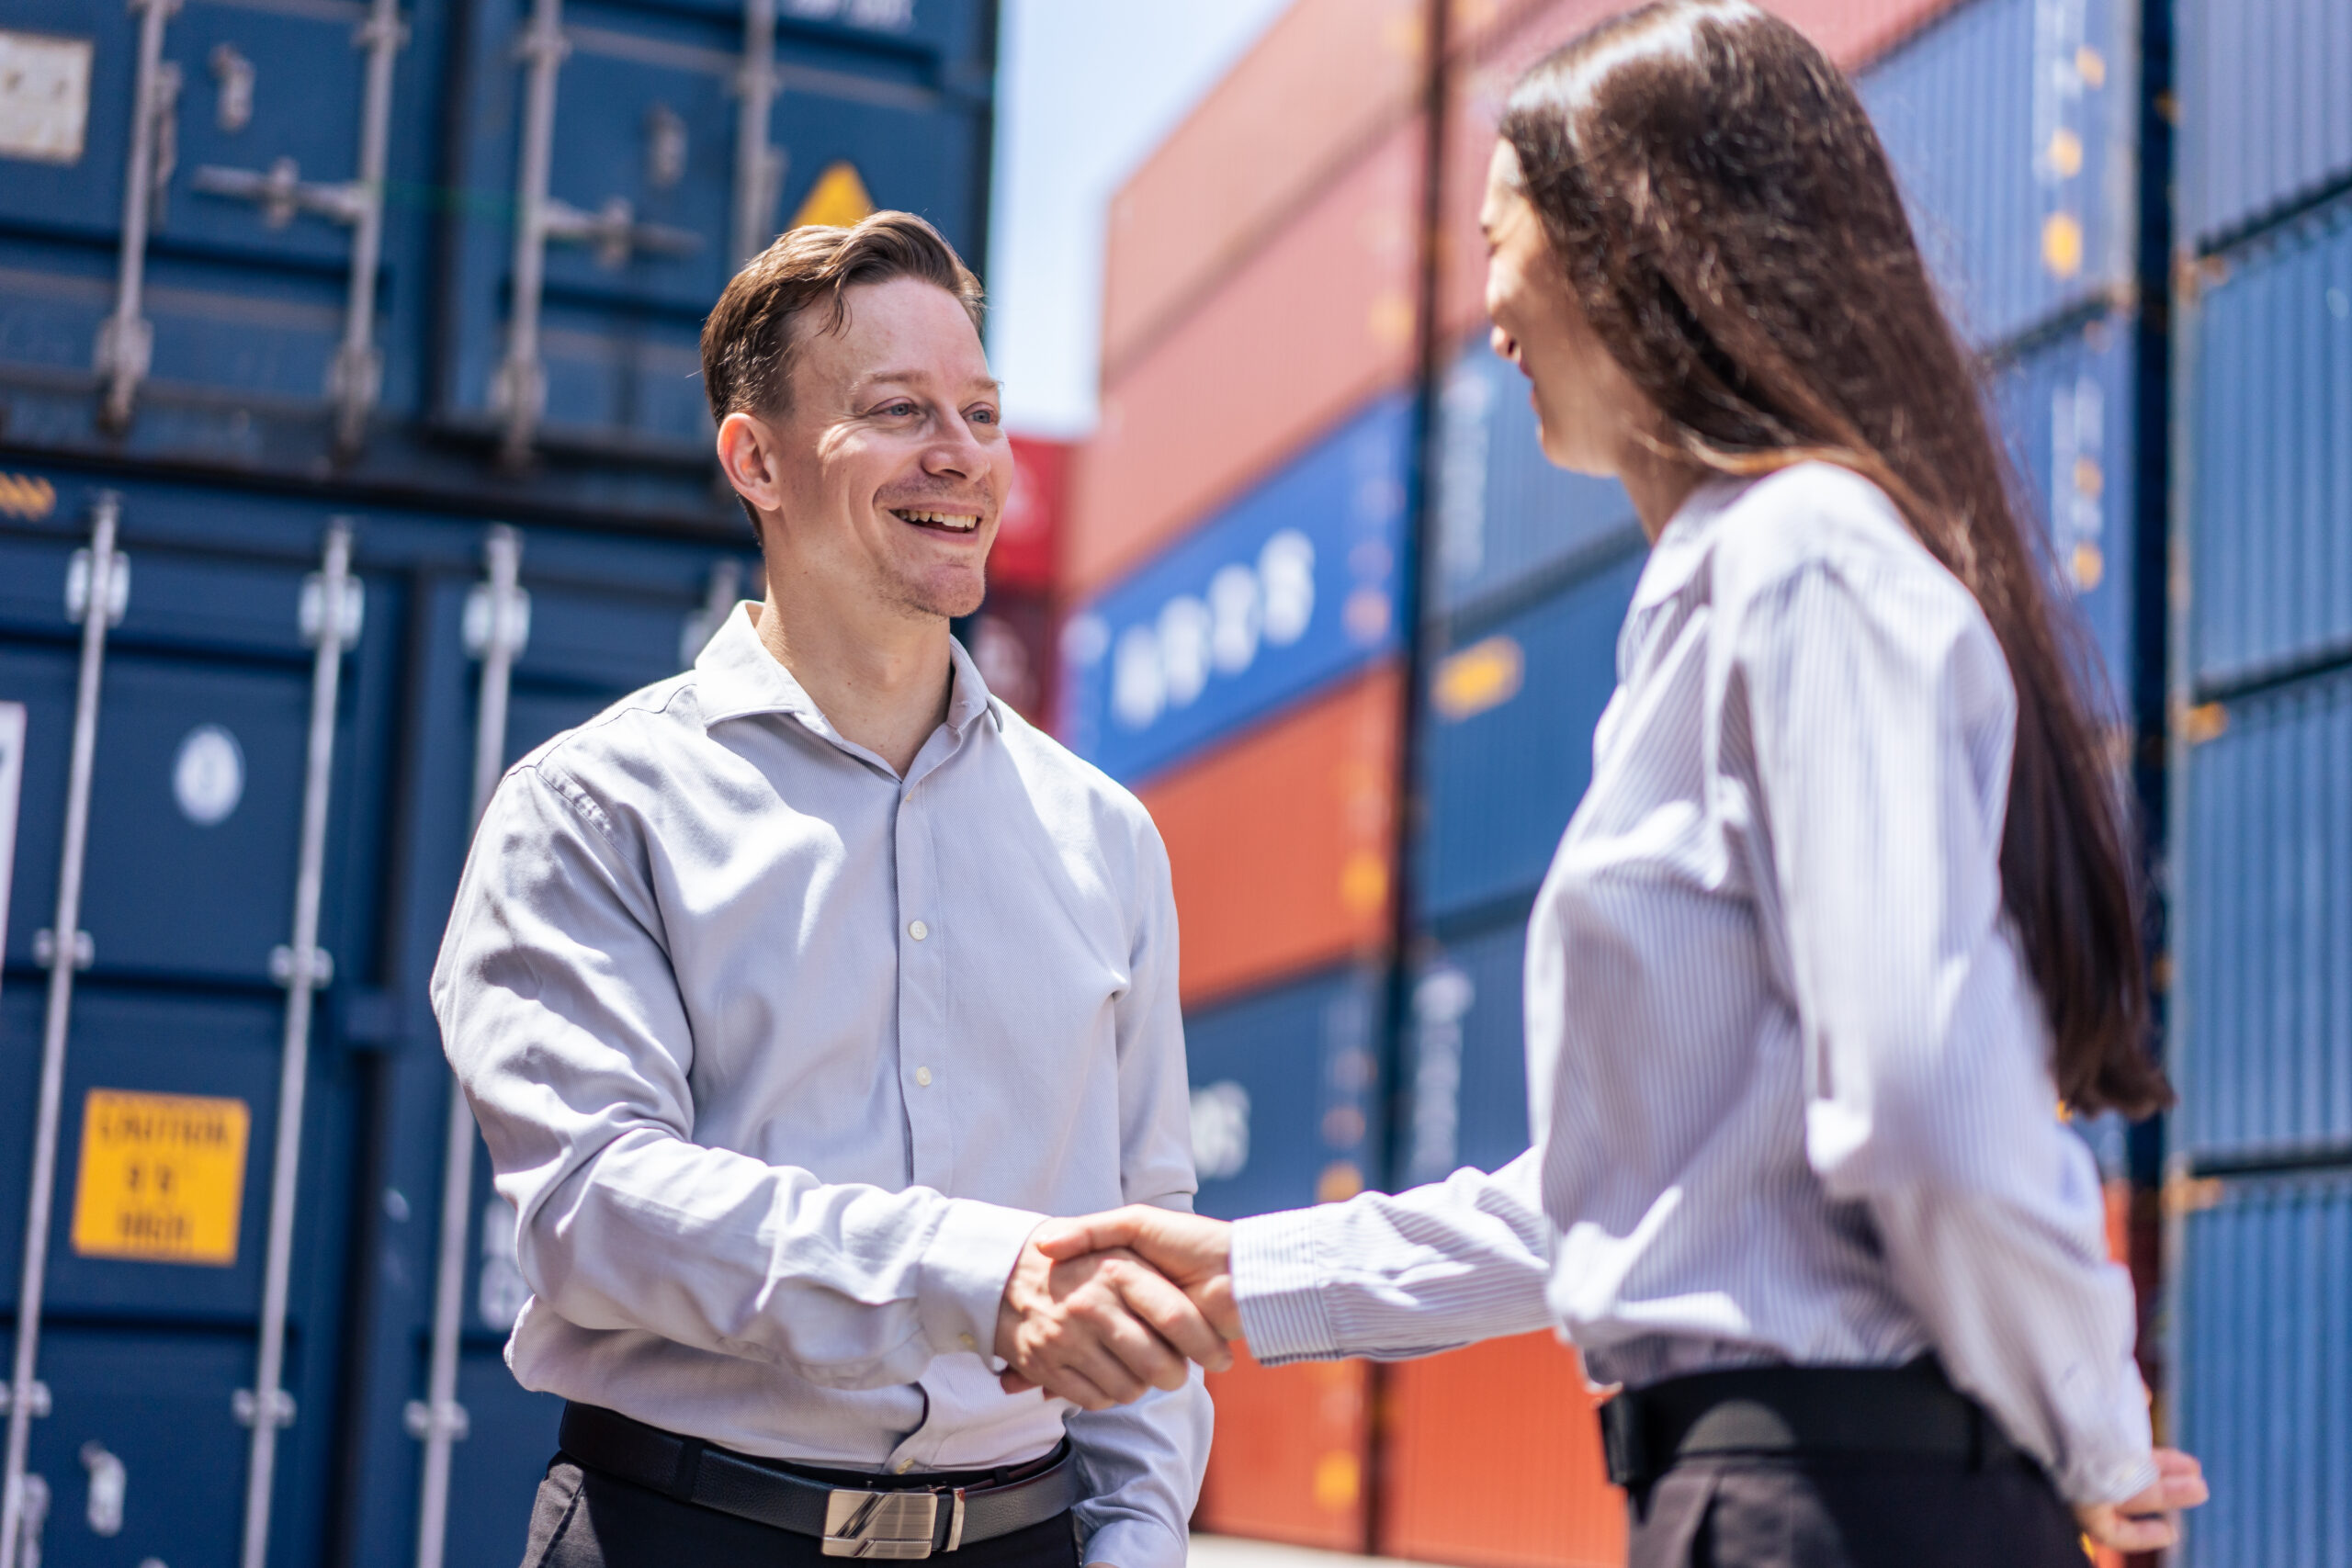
point(1466, 1055)
point(1282, 844)
point(2264, 923)
point(1288, 345)
point(1286, 1093)
point(2012, 126)
point(2068, 411)
point(1492, 1456)
point(1505, 514)
point(2270, 531)
point(1293, 1445)
point(2266, 107)
point(1306, 97)
point(1281, 592)
point(1507, 750)
point(2264, 1378)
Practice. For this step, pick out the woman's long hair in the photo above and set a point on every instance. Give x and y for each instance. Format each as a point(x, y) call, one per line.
point(1725, 216)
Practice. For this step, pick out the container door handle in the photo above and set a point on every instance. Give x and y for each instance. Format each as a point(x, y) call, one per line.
point(758, 167)
point(27, 1397)
point(127, 339)
point(337, 607)
point(519, 393)
point(438, 1419)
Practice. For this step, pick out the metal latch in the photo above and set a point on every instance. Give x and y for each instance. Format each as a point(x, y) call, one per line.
point(85, 953)
point(37, 1399)
point(283, 968)
point(423, 1422)
point(77, 587)
point(243, 1406)
point(312, 610)
point(108, 1481)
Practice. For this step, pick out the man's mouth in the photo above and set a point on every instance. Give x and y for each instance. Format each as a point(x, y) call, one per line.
point(945, 521)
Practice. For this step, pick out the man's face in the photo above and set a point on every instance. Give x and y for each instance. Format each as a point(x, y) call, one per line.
point(894, 466)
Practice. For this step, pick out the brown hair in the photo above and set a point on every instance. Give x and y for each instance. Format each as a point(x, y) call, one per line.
point(751, 338)
point(1724, 214)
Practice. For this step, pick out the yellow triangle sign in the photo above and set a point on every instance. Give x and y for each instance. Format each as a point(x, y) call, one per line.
point(838, 200)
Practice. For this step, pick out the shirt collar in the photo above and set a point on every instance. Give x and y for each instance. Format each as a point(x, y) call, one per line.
point(1682, 545)
point(738, 678)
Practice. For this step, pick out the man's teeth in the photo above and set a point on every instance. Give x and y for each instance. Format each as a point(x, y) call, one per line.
point(963, 523)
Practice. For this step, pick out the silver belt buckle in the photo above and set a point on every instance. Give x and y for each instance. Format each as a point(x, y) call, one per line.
point(894, 1525)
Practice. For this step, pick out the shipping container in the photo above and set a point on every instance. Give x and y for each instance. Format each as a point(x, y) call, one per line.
point(414, 247)
point(2270, 467)
point(1012, 642)
point(1492, 1458)
point(2012, 126)
point(2265, 110)
point(1506, 742)
point(207, 696)
point(1290, 588)
point(2262, 1049)
point(1286, 1093)
point(1509, 521)
point(1293, 1448)
point(2262, 1380)
point(1317, 321)
point(1028, 532)
point(1283, 841)
point(2067, 410)
point(1465, 1054)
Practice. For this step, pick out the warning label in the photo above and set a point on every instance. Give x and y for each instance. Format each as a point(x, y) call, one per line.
point(163, 1176)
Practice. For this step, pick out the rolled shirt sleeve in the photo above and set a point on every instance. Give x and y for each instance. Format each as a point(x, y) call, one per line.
point(1881, 714)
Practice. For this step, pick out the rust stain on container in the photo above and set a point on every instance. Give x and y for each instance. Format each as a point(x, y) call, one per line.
point(1282, 842)
point(1292, 1446)
point(1491, 1456)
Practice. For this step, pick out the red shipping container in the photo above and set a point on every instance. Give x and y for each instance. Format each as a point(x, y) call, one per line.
point(1282, 843)
point(1028, 535)
point(1490, 1457)
point(1011, 641)
point(1287, 346)
point(1291, 1447)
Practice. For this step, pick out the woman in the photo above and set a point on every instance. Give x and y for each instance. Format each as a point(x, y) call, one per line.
point(1847, 908)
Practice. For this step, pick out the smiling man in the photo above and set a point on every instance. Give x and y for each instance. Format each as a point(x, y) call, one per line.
point(792, 992)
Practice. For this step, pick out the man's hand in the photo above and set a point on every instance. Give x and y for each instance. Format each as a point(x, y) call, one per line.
point(2148, 1522)
point(1194, 1252)
point(1098, 1330)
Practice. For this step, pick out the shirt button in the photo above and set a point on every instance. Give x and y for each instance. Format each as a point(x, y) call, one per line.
point(918, 931)
point(905, 1465)
point(970, 1343)
point(923, 1077)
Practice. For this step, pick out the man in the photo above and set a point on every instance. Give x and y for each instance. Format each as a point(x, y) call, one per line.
point(792, 992)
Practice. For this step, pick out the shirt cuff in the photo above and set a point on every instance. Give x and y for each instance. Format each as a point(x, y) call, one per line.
point(1135, 1543)
point(1276, 1290)
point(963, 1274)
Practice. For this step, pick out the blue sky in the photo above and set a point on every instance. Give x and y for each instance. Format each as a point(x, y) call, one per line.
point(1085, 89)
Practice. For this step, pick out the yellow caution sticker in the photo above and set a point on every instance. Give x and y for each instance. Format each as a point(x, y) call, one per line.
point(838, 200)
point(1484, 675)
point(163, 1176)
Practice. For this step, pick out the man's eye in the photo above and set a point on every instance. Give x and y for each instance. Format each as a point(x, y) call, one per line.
point(984, 416)
point(899, 408)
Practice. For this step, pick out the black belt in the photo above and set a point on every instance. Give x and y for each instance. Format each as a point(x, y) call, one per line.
point(887, 1517)
point(1801, 1412)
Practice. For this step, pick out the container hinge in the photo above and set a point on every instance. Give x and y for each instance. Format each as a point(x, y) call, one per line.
point(77, 588)
point(347, 624)
point(282, 192)
point(424, 1422)
point(612, 231)
point(281, 1407)
point(282, 966)
point(86, 952)
point(510, 630)
point(37, 1401)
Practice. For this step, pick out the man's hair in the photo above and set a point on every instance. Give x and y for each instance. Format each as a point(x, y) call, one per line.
point(752, 336)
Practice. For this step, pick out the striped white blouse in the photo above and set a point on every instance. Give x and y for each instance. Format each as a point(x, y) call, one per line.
point(1787, 1070)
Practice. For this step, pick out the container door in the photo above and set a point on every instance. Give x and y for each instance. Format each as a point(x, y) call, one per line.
point(157, 1232)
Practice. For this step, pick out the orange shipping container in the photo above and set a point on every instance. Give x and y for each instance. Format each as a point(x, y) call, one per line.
point(1491, 1457)
point(1294, 341)
point(1288, 1463)
point(1283, 841)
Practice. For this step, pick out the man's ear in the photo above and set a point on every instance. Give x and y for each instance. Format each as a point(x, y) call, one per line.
point(748, 449)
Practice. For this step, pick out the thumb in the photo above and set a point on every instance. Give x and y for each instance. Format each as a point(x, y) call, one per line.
point(1062, 1240)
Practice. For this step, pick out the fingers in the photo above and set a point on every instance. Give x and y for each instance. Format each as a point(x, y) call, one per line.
point(1173, 1316)
point(1063, 1240)
point(2180, 1479)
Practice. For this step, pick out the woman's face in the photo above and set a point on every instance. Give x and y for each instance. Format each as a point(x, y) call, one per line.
point(1587, 409)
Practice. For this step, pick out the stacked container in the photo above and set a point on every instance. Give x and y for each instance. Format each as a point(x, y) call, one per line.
point(2261, 1176)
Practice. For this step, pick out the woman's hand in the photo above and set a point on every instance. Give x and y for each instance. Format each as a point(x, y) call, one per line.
point(2147, 1522)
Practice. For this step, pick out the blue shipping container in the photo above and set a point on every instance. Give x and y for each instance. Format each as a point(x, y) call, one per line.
point(1467, 1058)
point(2013, 129)
point(2068, 411)
point(1507, 519)
point(1506, 742)
point(2262, 1049)
point(2265, 110)
point(197, 787)
point(1286, 1093)
point(1288, 590)
point(2262, 1380)
point(2269, 458)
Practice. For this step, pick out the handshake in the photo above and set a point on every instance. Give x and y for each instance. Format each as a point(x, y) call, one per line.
point(1100, 1310)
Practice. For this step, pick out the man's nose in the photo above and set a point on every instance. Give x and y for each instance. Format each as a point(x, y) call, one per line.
point(958, 451)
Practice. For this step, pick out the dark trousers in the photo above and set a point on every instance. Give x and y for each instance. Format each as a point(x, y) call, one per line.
point(584, 1519)
point(1851, 1513)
